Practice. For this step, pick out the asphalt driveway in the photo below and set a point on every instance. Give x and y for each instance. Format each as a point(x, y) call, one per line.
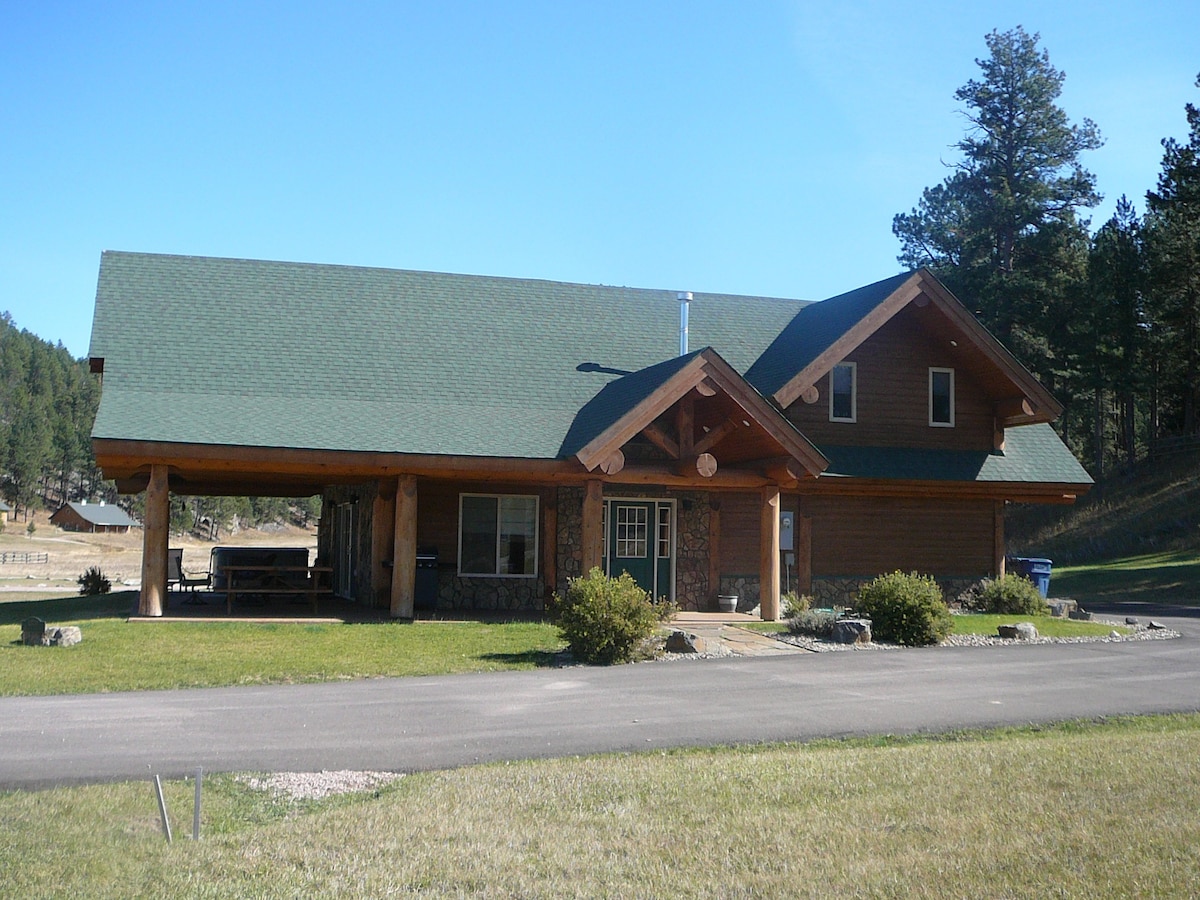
point(407, 724)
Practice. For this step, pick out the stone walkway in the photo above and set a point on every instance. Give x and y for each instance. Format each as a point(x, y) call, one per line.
point(723, 629)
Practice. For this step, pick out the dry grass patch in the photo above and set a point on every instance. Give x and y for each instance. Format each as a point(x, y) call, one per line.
point(1076, 811)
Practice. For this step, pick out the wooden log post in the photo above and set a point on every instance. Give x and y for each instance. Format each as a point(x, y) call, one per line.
point(803, 554)
point(768, 567)
point(383, 539)
point(155, 539)
point(404, 549)
point(593, 528)
point(769, 554)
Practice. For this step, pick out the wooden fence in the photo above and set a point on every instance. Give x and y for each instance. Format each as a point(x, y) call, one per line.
point(24, 559)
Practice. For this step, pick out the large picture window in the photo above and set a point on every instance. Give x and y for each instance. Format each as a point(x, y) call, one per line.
point(497, 535)
point(941, 398)
point(843, 393)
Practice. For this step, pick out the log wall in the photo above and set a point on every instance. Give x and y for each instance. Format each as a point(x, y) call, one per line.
point(893, 396)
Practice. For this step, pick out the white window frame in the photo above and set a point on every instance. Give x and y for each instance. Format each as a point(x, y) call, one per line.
point(941, 371)
point(537, 527)
point(853, 367)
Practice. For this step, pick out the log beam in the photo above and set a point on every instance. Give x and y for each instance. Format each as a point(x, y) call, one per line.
point(715, 436)
point(550, 540)
point(685, 426)
point(613, 463)
point(404, 550)
point(998, 548)
point(593, 527)
point(768, 567)
point(1014, 410)
point(661, 440)
point(714, 550)
point(155, 539)
point(704, 465)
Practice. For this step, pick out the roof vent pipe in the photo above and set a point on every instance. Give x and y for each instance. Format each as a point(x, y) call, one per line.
point(685, 297)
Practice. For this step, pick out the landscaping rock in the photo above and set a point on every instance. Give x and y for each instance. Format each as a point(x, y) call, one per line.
point(1156, 626)
point(1132, 620)
point(1062, 607)
point(1022, 631)
point(1081, 614)
point(66, 636)
point(682, 642)
point(851, 631)
point(33, 630)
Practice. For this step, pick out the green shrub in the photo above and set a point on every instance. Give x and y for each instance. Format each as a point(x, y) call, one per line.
point(793, 604)
point(93, 582)
point(905, 609)
point(814, 622)
point(606, 620)
point(1010, 595)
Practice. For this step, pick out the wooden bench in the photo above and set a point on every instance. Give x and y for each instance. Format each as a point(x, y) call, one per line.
point(270, 580)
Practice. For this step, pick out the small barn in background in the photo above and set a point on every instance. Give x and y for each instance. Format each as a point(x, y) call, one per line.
point(93, 517)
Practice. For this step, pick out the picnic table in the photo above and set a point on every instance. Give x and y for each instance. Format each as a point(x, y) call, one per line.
point(266, 580)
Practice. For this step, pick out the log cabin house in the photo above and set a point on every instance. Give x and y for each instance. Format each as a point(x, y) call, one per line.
point(92, 517)
point(477, 441)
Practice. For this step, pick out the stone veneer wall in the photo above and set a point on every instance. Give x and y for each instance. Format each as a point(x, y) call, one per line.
point(491, 594)
point(745, 587)
point(570, 535)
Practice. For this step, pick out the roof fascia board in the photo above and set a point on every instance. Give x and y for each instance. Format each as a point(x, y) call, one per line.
point(1046, 408)
point(839, 349)
point(707, 364)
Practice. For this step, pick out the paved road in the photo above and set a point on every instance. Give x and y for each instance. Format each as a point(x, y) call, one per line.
point(407, 724)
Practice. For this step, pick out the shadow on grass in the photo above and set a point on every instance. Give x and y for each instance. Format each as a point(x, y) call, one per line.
point(540, 659)
point(1161, 579)
point(117, 605)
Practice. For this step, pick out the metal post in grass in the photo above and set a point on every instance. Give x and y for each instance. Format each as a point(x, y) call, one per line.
point(162, 808)
point(196, 805)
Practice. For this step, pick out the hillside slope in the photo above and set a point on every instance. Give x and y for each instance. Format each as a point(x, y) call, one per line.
point(1152, 508)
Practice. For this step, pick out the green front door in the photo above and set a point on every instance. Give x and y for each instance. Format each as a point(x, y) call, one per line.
point(640, 542)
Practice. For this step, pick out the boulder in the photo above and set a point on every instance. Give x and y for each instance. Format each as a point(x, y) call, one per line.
point(65, 636)
point(682, 642)
point(1022, 631)
point(851, 631)
point(1132, 620)
point(1081, 614)
point(1156, 626)
point(33, 630)
point(1061, 607)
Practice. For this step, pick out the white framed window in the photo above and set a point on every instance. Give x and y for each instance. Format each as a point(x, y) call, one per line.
point(941, 398)
point(664, 531)
point(497, 535)
point(843, 392)
point(631, 532)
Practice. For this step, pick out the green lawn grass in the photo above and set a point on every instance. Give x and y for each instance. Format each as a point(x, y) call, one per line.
point(117, 655)
point(1059, 811)
point(1168, 578)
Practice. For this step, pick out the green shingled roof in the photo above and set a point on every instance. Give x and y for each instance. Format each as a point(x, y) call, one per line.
point(814, 329)
point(270, 354)
point(1031, 453)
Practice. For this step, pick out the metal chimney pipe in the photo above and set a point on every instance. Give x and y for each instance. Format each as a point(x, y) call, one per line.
point(685, 297)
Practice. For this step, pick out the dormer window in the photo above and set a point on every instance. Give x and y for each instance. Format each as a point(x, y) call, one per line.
point(941, 398)
point(843, 393)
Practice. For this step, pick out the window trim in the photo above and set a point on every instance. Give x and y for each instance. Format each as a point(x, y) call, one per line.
point(940, 370)
point(853, 392)
point(537, 535)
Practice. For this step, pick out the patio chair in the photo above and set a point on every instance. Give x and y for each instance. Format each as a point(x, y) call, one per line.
point(176, 575)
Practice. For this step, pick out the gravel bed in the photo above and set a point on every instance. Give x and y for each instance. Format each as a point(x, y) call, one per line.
point(1140, 633)
point(318, 785)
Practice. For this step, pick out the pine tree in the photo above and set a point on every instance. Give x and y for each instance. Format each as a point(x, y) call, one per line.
point(1173, 237)
point(1003, 230)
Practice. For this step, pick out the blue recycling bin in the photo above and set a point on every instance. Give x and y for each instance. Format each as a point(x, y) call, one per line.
point(1036, 569)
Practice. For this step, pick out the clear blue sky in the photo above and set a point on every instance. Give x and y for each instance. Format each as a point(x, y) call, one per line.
point(754, 147)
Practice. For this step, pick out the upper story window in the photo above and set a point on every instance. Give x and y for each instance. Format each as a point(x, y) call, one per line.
point(843, 393)
point(941, 398)
point(497, 535)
